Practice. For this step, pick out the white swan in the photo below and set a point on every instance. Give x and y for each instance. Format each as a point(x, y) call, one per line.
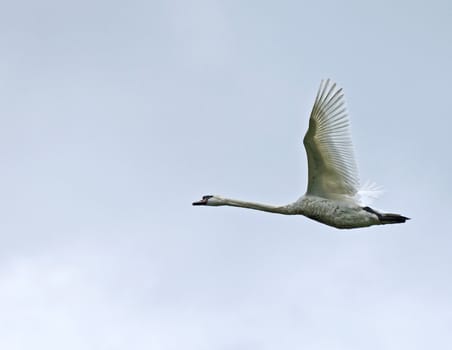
point(333, 194)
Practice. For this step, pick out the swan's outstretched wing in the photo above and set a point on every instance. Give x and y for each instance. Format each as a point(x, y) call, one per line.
point(331, 162)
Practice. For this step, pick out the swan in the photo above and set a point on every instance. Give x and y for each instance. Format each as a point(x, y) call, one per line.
point(333, 196)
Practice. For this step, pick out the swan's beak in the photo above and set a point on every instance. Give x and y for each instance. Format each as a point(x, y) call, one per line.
point(203, 201)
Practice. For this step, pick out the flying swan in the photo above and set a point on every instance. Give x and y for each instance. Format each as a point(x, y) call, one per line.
point(333, 196)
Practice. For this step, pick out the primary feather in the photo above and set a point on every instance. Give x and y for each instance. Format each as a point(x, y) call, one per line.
point(332, 170)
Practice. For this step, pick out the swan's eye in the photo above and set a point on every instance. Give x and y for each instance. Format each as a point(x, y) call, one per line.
point(206, 197)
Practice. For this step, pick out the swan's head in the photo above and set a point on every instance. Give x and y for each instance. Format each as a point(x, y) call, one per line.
point(209, 200)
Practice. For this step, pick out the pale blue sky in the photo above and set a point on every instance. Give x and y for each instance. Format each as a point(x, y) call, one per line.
point(115, 116)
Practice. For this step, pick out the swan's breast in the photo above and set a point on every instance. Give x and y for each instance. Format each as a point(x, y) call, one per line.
point(336, 213)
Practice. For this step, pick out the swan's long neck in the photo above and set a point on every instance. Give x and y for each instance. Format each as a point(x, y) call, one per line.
point(252, 205)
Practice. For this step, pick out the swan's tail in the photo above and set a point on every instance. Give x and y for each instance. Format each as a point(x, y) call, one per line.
point(392, 218)
point(387, 218)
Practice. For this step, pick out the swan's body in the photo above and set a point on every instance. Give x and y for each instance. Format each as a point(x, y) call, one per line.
point(333, 196)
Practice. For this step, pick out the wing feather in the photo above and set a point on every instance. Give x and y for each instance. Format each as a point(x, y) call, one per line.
point(331, 162)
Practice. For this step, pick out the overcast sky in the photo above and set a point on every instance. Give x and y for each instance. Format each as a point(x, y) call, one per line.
point(115, 116)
